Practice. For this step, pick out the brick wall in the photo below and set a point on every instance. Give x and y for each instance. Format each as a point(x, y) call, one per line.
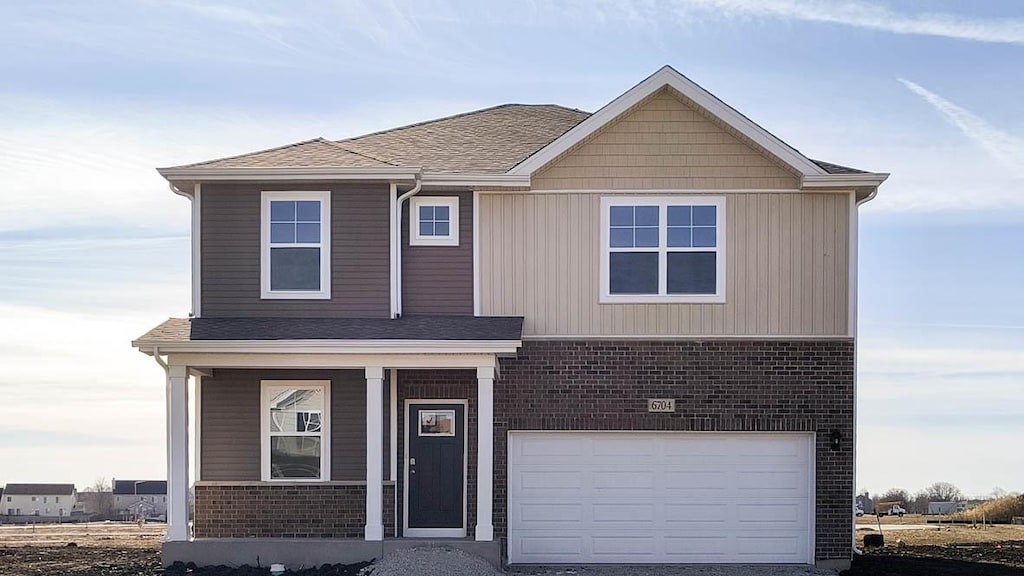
point(444, 385)
point(718, 385)
point(286, 511)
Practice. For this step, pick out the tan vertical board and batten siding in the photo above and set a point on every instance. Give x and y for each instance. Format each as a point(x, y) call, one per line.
point(664, 143)
point(786, 264)
point(360, 271)
point(438, 280)
point(230, 413)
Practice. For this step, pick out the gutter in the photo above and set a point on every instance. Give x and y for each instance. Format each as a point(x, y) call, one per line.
point(396, 234)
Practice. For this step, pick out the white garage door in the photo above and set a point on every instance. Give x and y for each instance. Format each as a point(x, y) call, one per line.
point(659, 497)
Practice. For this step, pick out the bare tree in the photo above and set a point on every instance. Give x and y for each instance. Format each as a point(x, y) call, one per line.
point(944, 492)
point(919, 503)
point(894, 495)
point(99, 498)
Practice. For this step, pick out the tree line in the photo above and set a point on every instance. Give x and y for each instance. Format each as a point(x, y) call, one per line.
point(917, 503)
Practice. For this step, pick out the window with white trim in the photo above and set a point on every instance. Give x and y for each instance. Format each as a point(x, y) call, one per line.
point(295, 429)
point(434, 221)
point(662, 249)
point(296, 245)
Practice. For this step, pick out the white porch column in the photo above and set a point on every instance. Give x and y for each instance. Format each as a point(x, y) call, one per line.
point(485, 453)
point(177, 453)
point(374, 453)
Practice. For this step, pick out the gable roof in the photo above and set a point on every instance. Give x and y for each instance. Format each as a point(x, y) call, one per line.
point(146, 487)
point(317, 152)
point(668, 76)
point(39, 489)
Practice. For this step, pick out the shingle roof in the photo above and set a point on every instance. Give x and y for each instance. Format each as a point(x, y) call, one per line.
point(489, 140)
point(133, 487)
point(492, 140)
point(317, 152)
point(39, 489)
point(836, 168)
point(405, 328)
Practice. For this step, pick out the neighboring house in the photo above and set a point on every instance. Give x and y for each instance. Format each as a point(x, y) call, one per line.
point(45, 502)
point(135, 499)
point(946, 507)
point(865, 502)
point(562, 337)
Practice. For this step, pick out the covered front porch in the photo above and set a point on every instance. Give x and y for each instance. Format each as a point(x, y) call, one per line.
point(328, 451)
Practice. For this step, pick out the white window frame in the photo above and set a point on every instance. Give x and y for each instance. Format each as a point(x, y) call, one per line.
point(662, 202)
point(325, 427)
point(452, 239)
point(324, 293)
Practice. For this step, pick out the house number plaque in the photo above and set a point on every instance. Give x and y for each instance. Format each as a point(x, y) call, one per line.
point(661, 405)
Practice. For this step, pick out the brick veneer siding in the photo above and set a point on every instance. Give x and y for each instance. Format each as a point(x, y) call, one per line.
point(252, 510)
point(719, 385)
point(446, 385)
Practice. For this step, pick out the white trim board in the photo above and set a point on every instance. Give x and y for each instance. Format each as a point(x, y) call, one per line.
point(404, 347)
point(436, 532)
point(668, 76)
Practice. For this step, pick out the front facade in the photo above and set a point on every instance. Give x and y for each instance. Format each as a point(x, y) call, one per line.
point(39, 502)
point(622, 337)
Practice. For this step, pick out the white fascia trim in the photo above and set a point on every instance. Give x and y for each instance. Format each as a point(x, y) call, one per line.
point(845, 180)
point(334, 346)
point(668, 76)
point(475, 180)
point(303, 173)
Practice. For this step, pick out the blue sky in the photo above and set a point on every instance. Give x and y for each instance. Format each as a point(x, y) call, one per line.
point(94, 248)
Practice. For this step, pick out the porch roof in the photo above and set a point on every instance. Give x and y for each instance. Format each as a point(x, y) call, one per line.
point(420, 328)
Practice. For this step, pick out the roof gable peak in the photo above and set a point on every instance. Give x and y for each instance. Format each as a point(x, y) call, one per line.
point(668, 76)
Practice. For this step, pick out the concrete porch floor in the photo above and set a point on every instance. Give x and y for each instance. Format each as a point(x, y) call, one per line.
point(309, 552)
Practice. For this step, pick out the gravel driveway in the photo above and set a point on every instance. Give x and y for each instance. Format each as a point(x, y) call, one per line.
point(441, 561)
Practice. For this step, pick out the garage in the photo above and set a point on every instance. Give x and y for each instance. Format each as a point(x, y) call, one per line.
point(660, 497)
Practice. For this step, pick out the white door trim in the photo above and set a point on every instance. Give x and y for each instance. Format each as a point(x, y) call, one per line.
point(436, 532)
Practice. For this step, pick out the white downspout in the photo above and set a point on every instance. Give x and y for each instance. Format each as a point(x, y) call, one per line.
point(396, 311)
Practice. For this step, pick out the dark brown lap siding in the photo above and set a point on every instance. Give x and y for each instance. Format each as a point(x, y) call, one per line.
point(439, 279)
point(230, 421)
point(718, 385)
point(360, 271)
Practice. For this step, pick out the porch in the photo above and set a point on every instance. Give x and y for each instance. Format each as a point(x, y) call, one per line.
point(301, 453)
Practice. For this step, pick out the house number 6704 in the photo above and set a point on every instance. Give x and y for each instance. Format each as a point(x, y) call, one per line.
point(661, 405)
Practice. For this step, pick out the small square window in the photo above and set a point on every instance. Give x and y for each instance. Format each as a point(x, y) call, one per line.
point(434, 221)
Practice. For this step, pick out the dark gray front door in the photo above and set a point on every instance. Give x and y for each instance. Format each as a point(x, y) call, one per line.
point(436, 465)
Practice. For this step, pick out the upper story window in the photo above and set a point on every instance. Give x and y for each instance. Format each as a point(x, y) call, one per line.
point(662, 249)
point(296, 245)
point(295, 427)
point(434, 221)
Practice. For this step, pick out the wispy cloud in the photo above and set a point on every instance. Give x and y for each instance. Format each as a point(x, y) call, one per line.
point(230, 14)
point(1006, 148)
point(869, 15)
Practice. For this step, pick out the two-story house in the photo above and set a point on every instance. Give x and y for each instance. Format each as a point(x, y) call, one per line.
point(134, 499)
point(528, 331)
point(43, 502)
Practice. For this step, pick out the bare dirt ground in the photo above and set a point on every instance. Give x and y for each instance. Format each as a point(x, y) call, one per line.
point(96, 549)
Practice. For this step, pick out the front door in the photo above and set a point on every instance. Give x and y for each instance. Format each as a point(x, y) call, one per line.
point(436, 470)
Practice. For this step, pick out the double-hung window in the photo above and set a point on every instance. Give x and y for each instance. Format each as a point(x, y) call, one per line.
point(434, 221)
point(296, 248)
point(662, 249)
point(295, 428)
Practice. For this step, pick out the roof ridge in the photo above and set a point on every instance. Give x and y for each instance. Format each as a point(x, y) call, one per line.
point(453, 116)
point(274, 149)
point(363, 154)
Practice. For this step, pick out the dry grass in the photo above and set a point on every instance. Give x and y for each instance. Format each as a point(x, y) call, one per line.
point(946, 534)
point(1001, 510)
point(95, 534)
